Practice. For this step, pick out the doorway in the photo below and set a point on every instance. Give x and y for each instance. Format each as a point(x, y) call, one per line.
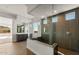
point(5, 30)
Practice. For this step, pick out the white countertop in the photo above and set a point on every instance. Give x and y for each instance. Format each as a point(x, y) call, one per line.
point(39, 48)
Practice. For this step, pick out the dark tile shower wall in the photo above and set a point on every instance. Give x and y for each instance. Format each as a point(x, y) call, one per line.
point(46, 37)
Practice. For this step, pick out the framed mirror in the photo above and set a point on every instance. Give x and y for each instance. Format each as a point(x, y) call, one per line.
point(21, 28)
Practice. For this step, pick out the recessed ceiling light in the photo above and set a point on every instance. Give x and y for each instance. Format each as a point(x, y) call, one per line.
point(55, 11)
point(42, 16)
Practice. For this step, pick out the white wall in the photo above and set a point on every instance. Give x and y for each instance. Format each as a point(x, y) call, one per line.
point(14, 30)
point(20, 20)
point(17, 10)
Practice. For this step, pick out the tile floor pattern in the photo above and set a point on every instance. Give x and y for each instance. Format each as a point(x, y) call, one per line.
point(13, 48)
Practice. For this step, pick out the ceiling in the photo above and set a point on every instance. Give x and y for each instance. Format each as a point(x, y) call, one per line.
point(14, 9)
point(30, 7)
point(39, 11)
point(43, 10)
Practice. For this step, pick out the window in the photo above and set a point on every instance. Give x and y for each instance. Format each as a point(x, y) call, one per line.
point(35, 26)
point(45, 21)
point(70, 16)
point(21, 28)
point(54, 19)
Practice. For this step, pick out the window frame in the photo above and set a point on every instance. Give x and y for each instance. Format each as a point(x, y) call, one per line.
point(69, 14)
point(56, 19)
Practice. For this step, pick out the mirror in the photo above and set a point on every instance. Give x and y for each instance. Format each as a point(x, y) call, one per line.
point(21, 28)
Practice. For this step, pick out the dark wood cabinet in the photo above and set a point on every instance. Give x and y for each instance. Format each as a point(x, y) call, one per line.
point(21, 37)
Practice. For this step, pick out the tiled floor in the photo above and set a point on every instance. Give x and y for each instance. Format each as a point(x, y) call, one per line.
point(13, 48)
